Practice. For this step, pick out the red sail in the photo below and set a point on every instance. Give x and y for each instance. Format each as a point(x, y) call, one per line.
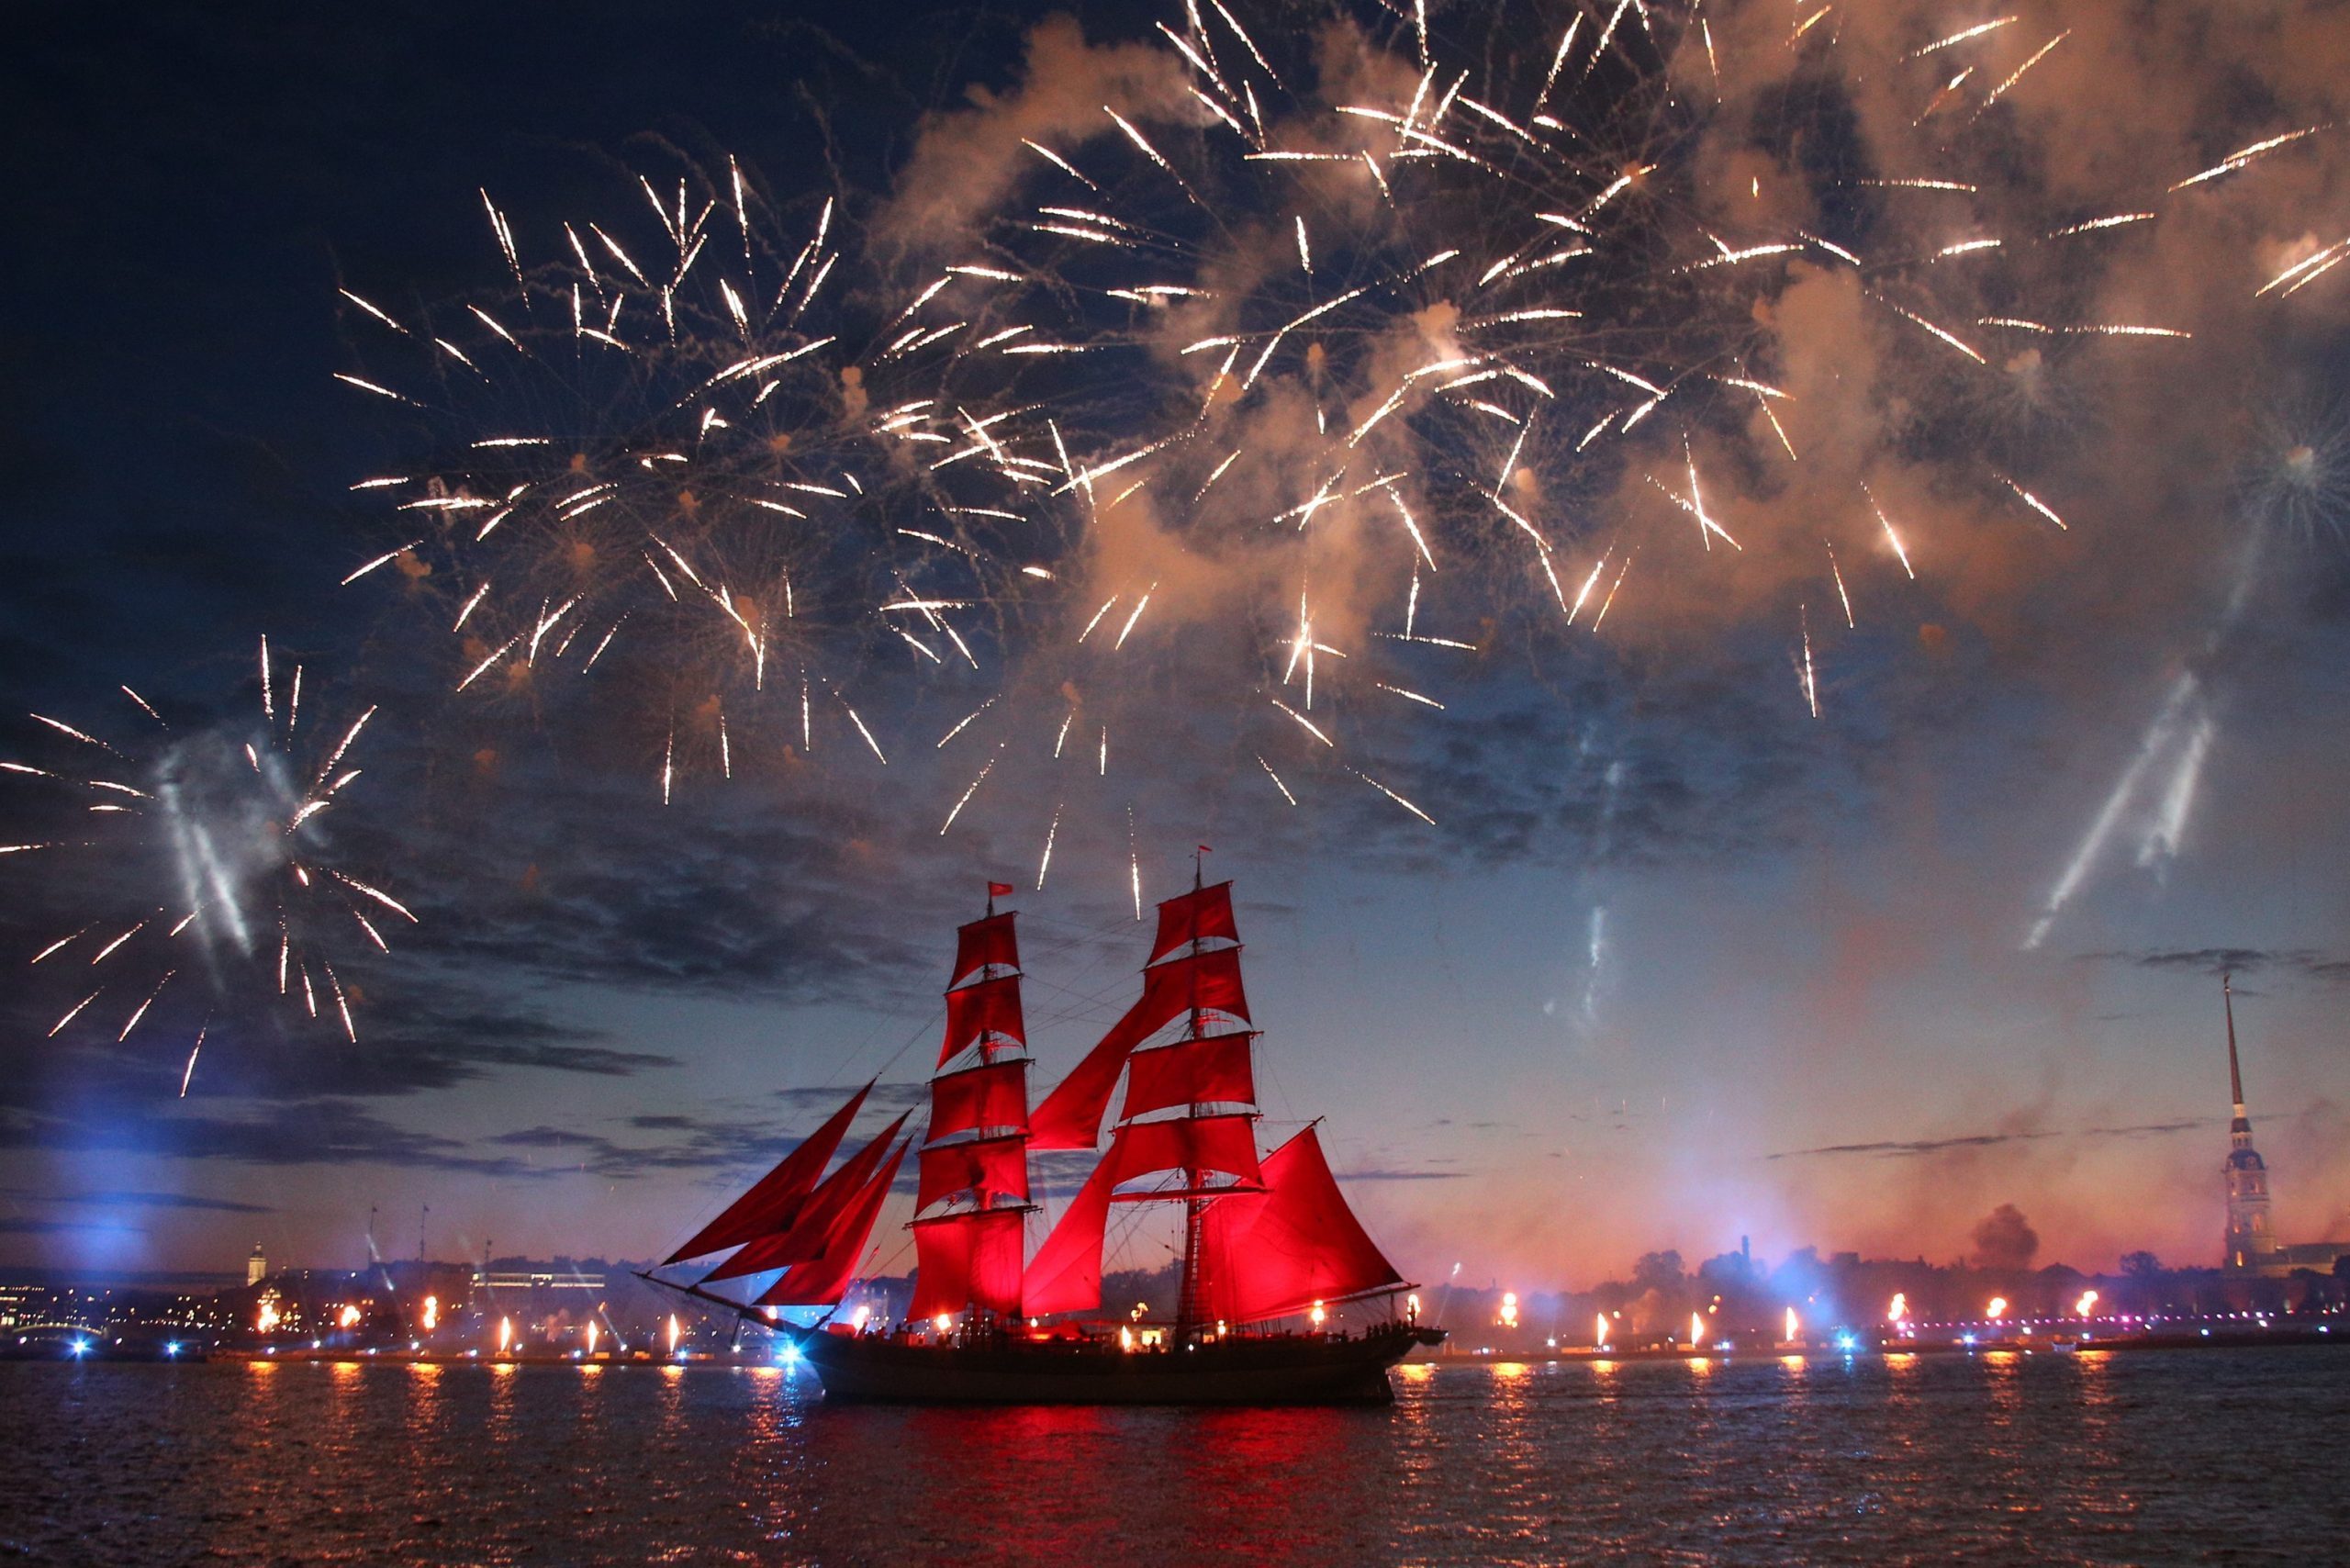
point(1210, 1072)
point(808, 1234)
point(1203, 914)
point(1270, 1254)
point(987, 1168)
point(994, 1096)
point(985, 942)
point(775, 1199)
point(822, 1280)
point(969, 1260)
point(1066, 1273)
point(990, 1007)
point(1071, 1117)
point(1228, 1144)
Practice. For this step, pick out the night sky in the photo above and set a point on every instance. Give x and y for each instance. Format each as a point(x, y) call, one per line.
point(1676, 961)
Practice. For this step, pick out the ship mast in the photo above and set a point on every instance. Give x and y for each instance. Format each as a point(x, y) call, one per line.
point(1187, 1302)
point(1184, 1049)
point(973, 1205)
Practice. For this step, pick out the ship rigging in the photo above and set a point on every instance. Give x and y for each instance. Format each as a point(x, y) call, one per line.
point(1266, 1238)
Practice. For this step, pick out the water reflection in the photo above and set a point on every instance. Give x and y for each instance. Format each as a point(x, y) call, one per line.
point(1995, 1457)
point(422, 1387)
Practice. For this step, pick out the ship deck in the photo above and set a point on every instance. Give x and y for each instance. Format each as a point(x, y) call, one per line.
point(1012, 1369)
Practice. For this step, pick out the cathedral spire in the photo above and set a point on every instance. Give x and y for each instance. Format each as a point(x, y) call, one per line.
point(2235, 1074)
point(2251, 1244)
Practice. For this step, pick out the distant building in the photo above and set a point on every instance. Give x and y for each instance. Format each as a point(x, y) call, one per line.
point(2251, 1246)
point(520, 1275)
point(256, 1267)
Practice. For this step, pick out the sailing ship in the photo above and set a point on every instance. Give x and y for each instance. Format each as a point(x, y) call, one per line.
point(1270, 1254)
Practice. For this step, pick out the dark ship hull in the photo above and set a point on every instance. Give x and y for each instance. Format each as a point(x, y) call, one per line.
point(1251, 1369)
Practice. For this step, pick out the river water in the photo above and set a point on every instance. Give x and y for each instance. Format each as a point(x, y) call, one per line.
point(2224, 1455)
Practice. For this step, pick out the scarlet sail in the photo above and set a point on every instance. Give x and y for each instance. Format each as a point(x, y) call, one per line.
point(979, 1170)
point(969, 1260)
point(775, 1199)
point(985, 944)
point(994, 1096)
point(972, 1204)
point(1271, 1253)
point(1066, 1273)
point(822, 1279)
point(1071, 1117)
point(1204, 914)
point(1226, 1145)
point(986, 1013)
point(1214, 1071)
point(808, 1235)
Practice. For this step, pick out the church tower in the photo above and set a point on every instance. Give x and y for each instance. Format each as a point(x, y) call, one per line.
point(2251, 1240)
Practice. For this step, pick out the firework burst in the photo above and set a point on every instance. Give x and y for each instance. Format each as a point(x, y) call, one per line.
point(194, 870)
point(1348, 344)
point(654, 460)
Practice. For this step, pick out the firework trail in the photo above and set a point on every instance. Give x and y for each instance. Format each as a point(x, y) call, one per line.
point(201, 866)
point(2297, 489)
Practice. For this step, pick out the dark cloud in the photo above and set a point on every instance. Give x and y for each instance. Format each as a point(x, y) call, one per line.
point(300, 1131)
point(432, 1029)
point(2304, 962)
point(1914, 1148)
point(721, 1150)
point(14, 1226)
point(1394, 1175)
point(165, 1201)
point(883, 1097)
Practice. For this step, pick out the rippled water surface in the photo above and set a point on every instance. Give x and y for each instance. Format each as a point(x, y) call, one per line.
point(2214, 1456)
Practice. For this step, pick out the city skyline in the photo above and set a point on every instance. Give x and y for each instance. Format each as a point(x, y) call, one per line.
point(1828, 896)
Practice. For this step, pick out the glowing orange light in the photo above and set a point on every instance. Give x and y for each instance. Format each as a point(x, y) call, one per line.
point(1795, 1325)
point(268, 1319)
point(1125, 1338)
point(1899, 1310)
point(431, 1313)
point(1599, 1332)
point(1510, 1309)
point(1997, 1309)
point(591, 1339)
point(2086, 1304)
point(504, 1334)
point(673, 1333)
point(942, 1323)
point(1412, 1307)
point(1696, 1329)
point(1317, 1315)
point(348, 1318)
